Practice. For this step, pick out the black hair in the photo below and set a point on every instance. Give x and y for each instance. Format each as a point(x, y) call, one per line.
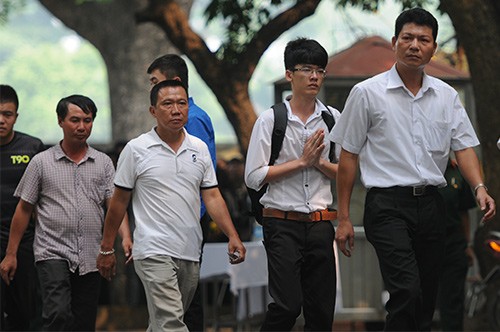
point(418, 16)
point(171, 65)
point(305, 51)
point(85, 103)
point(153, 95)
point(8, 95)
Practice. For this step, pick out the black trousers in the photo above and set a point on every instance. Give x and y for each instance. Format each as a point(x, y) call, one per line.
point(19, 299)
point(407, 233)
point(301, 267)
point(451, 294)
point(69, 299)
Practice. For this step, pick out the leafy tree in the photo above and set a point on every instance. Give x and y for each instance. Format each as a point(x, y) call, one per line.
point(251, 27)
point(126, 49)
point(477, 24)
point(35, 61)
point(129, 33)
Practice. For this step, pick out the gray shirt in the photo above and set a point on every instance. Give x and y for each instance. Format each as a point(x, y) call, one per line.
point(69, 199)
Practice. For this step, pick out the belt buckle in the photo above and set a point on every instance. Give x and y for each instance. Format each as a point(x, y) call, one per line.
point(418, 191)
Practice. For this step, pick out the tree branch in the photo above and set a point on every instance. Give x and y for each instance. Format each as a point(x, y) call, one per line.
point(172, 19)
point(272, 30)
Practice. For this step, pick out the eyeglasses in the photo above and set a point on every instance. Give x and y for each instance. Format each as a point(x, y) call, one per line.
point(308, 71)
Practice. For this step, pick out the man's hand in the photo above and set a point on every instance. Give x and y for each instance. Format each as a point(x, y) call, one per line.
point(345, 236)
point(8, 268)
point(127, 245)
point(486, 203)
point(236, 251)
point(313, 148)
point(106, 264)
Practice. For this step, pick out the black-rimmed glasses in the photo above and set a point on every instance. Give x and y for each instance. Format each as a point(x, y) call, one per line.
point(308, 71)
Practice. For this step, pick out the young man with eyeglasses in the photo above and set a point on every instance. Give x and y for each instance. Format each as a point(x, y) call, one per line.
point(298, 228)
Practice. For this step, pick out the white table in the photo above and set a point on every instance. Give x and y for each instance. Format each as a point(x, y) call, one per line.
point(247, 281)
point(251, 273)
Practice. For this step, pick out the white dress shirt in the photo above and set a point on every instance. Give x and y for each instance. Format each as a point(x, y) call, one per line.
point(305, 191)
point(402, 139)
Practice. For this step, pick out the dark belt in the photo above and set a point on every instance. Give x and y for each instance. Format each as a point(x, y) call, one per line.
point(408, 191)
point(322, 215)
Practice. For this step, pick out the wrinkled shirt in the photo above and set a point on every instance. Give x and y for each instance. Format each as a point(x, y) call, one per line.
point(402, 139)
point(69, 200)
point(304, 191)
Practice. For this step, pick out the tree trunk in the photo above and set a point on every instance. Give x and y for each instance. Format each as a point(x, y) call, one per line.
point(477, 24)
point(228, 78)
point(127, 50)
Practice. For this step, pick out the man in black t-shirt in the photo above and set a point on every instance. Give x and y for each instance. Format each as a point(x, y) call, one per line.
point(18, 301)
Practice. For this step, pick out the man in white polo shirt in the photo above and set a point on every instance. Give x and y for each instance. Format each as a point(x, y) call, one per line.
point(163, 171)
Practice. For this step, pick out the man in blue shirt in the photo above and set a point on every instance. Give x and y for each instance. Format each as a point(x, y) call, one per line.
point(173, 67)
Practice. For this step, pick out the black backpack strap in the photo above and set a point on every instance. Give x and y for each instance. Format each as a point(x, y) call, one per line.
point(330, 122)
point(279, 128)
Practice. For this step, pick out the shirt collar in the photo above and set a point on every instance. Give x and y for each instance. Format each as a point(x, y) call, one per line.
point(320, 106)
point(59, 153)
point(394, 81)
point(187, 143)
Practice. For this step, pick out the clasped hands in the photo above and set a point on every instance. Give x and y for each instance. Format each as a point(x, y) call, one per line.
point(313, 148)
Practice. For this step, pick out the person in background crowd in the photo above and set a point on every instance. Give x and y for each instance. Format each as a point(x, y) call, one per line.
point(19, 299)
point(69, 185)
point(401, 125)
point(458, 255)
point(236, 196)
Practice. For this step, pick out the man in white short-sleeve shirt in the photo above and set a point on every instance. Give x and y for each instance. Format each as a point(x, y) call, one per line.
point(401, 126)
point(163, 172)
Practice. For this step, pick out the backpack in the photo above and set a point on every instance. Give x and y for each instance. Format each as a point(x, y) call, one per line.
point(279, 128)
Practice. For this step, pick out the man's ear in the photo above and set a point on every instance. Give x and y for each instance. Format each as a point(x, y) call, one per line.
point(59, 121)
point(152, 111)
point(177, 78)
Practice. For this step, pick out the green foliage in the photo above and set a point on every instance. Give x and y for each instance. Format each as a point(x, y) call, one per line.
point(34, 60)
point(373, 5)
point(41, 81)
point(9, 6)
point(242, 19)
